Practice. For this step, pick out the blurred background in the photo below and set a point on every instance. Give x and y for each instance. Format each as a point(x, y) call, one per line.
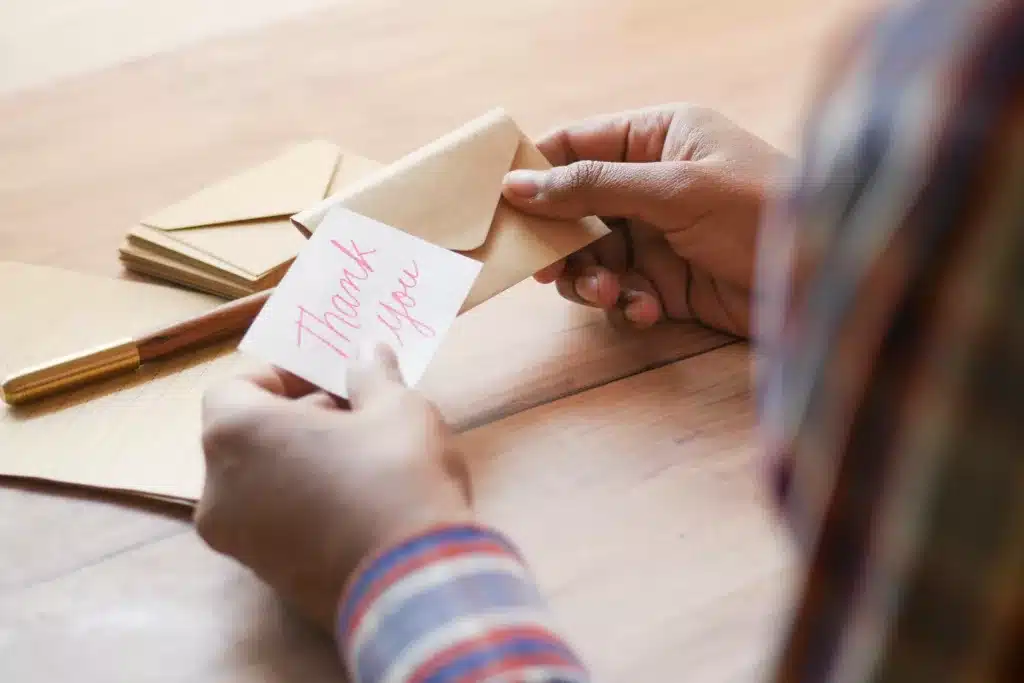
point(41, 40)
point(170, 93)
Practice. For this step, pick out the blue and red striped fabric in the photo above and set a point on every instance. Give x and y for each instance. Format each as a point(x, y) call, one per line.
point(454, 603)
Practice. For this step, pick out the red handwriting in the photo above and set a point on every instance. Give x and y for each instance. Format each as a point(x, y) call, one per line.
point(326, 327)
point(395, 316)
point(326, 331)
point(333, 326)
point(346, 302)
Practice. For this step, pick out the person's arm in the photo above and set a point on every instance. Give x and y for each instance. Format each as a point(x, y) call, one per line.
point(893, 389)
point(452, 603)
point(361, 519)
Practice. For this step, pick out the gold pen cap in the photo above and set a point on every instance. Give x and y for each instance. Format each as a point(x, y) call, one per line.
point(70, 371)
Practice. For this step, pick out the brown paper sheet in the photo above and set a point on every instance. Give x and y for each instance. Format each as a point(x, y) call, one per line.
point(138, 434)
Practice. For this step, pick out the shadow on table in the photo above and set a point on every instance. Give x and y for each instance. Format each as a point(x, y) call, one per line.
point(274, 643)
point(172, 508)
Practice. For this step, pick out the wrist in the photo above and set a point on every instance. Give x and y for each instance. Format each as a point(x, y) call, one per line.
point(406, 552)
point(417, 522)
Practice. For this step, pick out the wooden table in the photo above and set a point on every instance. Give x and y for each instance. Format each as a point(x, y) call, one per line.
point(623, 465)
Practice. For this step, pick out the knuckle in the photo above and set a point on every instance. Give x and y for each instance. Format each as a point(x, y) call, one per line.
point(229, 422)
point(416, 407)
point(211, 401)
point(675, 181)
point(421, 419)
point(220, 437)
point(678, 177)
point(583, 175)
point(217, 401)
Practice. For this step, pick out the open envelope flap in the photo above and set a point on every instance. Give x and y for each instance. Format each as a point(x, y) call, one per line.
point(285, 185)
point(520, 244)
point(445, 192)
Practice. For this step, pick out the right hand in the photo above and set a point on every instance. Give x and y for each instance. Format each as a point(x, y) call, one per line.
point(682, 188)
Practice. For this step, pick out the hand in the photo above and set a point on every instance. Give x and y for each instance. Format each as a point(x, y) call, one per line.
point(300, 490)
point(682, 189)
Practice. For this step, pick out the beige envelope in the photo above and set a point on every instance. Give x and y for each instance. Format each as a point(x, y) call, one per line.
point(449, 193)
point(164, 267)
point(240, 225)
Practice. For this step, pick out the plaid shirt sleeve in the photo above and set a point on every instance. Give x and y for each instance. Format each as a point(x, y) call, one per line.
point(892, 393)
point(455, 603)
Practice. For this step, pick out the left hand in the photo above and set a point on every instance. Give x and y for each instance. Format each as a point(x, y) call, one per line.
point(300, 490)
point(682, 188)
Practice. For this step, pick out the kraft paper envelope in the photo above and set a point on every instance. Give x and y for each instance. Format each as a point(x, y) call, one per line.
point(140, 433)
point(240, 225)
point(151, 260)
point(449, 193)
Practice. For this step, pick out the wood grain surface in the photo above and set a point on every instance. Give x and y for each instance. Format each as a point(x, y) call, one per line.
point(623, 464)
point(638, 504)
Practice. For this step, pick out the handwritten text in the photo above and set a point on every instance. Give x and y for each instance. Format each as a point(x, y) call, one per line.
point(334, 327)
point(396, 315)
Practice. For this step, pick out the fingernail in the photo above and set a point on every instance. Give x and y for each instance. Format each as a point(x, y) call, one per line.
point(524, 183)
point(586, 287)
point(626, 297)
point(635, 310)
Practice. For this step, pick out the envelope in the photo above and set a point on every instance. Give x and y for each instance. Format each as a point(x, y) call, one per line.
point(150, 260)
point(240, 225)
point(449, 193)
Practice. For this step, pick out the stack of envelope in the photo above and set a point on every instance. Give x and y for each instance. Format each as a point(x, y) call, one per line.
point(233, 237)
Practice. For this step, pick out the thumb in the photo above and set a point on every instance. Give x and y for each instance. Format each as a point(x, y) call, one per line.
point(373, 374)
point(599, 188)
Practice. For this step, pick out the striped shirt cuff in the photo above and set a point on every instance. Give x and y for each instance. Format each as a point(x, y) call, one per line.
point(455, 603)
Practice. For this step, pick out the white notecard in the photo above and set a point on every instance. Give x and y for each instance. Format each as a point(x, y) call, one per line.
point(355, 281)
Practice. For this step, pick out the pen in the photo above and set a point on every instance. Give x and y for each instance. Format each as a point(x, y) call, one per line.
point(127, 355)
